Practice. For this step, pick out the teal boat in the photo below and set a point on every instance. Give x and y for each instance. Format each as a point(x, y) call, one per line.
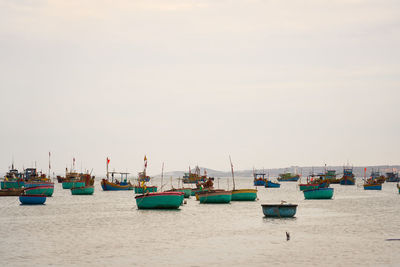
point(161, 200)
point(13, 179)
point(215, 196)
point(84, 190)
point(320, 193)
point(244, 195)
point(279, 210)
point(146, 189)
point(72, 184)
point(186, 191)
point(241, 194)
point(40, 190)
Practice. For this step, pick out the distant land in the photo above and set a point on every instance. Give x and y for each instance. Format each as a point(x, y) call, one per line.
point(303, 171)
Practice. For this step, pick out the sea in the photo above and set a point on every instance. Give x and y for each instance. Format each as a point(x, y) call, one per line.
point(355, 228)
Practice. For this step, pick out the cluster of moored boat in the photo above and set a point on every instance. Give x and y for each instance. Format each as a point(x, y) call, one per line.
point(33, 187)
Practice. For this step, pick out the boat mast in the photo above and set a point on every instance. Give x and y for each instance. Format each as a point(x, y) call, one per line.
point(233, 177)
point(107, 162)
point(162, 176)
point(49, 164)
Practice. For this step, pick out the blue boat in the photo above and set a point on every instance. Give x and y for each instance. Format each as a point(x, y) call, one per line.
point(32, 199)
point(111, 184)
point(348, 177)
point(373, 186)
point(279, 210)
point(270, 184)
point(259, 179)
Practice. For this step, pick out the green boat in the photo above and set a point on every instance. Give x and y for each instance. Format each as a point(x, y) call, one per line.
point(215, 196)
point(84, 190)
point(162, 200)
point(186, 191)
point(72, 184)
point(46, 190)
point(244, 195)
point(320, 193)
point(146, 189)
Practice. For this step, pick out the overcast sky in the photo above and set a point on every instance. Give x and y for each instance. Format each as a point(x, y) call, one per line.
point(271, 83)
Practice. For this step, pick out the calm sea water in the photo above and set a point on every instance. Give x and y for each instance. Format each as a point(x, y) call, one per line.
point(107, 229)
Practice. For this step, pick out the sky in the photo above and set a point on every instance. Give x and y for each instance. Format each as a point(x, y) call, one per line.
point(271, 83)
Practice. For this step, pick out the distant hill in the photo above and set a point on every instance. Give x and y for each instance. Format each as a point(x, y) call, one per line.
point(304, 171)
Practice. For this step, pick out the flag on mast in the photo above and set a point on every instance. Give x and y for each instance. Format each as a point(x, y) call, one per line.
point(145, 161)
point(108, 161)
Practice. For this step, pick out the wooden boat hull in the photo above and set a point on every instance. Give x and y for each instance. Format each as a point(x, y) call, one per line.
point(69, 185)
point(40, 190)
point(11, 192)
point(12, 184)
point(244, 195)
point(372, 186)
point(109, 186)
point(279, 210)
point(320, 193)
point(206, 197)
point(149, 189)
point(32, 199)
point(162, 200)
point(85, 190)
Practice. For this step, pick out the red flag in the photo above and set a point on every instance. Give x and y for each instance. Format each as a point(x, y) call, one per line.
point(108, 161)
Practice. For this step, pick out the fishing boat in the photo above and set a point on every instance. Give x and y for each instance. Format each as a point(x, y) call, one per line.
point(288, 177)
point(330, 177)
point(38, 183)
point(11, 192)
point(372, 184)
point(270, 184)
point(187, 192)
point(314, 182)
point(215, 196)
point(194, 178)
point(348, 177)
point(32, 199)
point(279, 210)
point(87, 189)
point(377, 176)
point(40, 190)
point(241, 194)
point(141, 189)
point(111, 184)
point(319, 193)
point(259, 179)
point(13, 179)
point(392, 177)
point(161, 200)
point(202, 186)
point(84, 190)
point(72, 179)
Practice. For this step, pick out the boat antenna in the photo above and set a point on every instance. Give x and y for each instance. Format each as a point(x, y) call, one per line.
point(233, 177)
